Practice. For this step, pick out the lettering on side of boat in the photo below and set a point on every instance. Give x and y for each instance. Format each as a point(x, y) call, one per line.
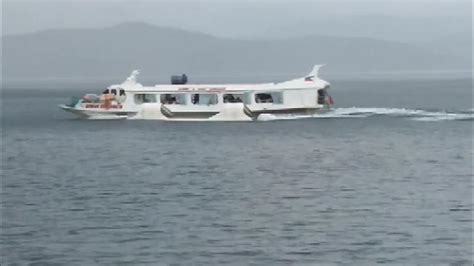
point(203, 89)
point(113, 106)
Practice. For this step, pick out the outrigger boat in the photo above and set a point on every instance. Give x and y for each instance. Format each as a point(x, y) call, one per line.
point(180, 101)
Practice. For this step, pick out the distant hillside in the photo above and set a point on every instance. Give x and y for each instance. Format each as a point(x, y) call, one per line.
point(117, 50)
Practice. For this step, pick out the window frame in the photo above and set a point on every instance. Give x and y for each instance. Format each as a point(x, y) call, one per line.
point(215, 99)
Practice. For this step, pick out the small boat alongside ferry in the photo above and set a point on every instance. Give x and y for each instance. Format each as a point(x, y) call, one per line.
point(180, 101)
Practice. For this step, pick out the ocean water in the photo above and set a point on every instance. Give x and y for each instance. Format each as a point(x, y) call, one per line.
point(384, 178)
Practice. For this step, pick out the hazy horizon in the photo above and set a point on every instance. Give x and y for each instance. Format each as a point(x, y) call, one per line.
point(404, 21)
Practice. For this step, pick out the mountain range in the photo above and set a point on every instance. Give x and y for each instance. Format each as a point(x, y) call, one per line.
point(114, 51)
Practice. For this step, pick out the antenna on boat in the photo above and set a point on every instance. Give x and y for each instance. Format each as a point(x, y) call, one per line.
point(133, 76)
point(315, 72)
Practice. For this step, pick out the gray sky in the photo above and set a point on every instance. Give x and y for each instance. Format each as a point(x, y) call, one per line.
point(386, 19)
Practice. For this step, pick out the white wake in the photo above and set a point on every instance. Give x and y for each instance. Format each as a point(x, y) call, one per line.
point(364, 112)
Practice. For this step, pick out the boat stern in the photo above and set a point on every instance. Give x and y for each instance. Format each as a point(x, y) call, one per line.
point(72, 109)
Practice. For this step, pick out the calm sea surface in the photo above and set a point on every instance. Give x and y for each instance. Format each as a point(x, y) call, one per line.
point(385, 178)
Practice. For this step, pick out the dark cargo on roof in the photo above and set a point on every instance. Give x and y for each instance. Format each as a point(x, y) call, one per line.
point(179, 79)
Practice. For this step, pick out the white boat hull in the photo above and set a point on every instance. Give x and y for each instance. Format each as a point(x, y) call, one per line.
point(231, 113)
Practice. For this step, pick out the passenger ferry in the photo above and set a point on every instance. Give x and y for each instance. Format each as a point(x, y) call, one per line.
point(180, 101)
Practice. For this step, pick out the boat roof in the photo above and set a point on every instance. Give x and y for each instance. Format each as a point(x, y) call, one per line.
point(223, 87)
point(311, 81)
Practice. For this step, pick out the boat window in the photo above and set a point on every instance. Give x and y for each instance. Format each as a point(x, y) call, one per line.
point(233, 98)
point(113, 91)
point(263, 98)
point(149, 98)
point(321, 96)
point(277, 97)
point(173, 98)
point(122, 92)
point(204, 99)
point(269, 97)
point(106, 91)
point(145, 98)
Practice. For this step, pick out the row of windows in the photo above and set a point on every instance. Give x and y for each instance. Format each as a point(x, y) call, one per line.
point(210, 99)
